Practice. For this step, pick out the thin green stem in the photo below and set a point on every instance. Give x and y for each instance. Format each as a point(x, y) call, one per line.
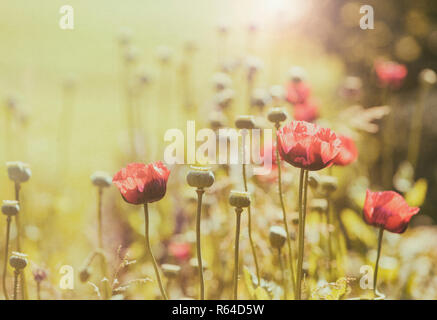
point(303, 187)
point(18, 227)
point(5, 265)
point(237, 246)
point(149, 248)
point(375, 275)
point(200, 193)
point(249, 217)
point(38, 290)
point(16, 275)
point(284, 279)
point(284, 214)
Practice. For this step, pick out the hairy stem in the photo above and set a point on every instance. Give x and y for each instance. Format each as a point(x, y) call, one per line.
point(103, 262)
point(16, 275)
point(284, 280)
point(303, 187)
point(375, 275)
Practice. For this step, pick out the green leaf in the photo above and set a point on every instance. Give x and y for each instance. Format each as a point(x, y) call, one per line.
point(416, 196)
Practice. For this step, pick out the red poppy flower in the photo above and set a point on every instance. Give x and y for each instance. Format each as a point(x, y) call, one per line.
point(298, 92)
point(390, 74)
point(388, 209)
point(348, 152)
point(306, 145)
point(179, 250)
point(140, 183)
point(306, 112)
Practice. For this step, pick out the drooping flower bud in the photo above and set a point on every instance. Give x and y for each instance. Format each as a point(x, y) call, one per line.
point(428, 77)
point(245, 122)
point(101, 179)
point(277, 115)
point(200, 177)
point(328, 184)
point(239, 199)
point(10, 208)
point(170, 270)
point(319, 205)
point(18, 260)
point(277, 237)
point(18, 171)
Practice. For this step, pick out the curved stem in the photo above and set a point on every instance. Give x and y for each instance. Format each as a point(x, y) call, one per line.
point(149, 248)
point(375, 275)
point(249, 214)
point(16, 275)
point(5, 265)
point(328, 224)
point(18, 227)
point(284, 214)
point(199, 251)
point(303, 187)
point(237, 245)
point(284, 280)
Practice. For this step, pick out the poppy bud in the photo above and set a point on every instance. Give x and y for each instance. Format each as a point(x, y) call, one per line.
point(84, 275)
point(428, 77)
point(245, 122)
point(221, 81)
point(277, 237)
point(297, 74)
point(18, 171)
point(329, 184)
point(18, 260)
point(101, 179)
point(39, 275)
point(313, 180)
point(200, 177)
point(277, 115)
point(10, 207)
point(319, 205)
point(239, 199)
point(170, 270)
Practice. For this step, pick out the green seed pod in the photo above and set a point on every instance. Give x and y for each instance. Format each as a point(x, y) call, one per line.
point(277, 236)
point(170, 270)
point(18, 260)
point(328, 184)
point(277, 115)
point(200, 177)
point(10, 208)
point(18, 171)
point(313, 180)
point(428, 77)
point(319, 205)
point(101, 179)
point(245, 122)
point(84, 275)
point(239, 199)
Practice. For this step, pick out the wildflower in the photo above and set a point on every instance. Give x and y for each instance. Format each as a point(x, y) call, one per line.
point(180, 250)
point(308, 111)
point(308, 146)
point(39, 274)
point(388, 210)
point(297, 92)
point(348, 152)
point(390, 74)
point(139, 183)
